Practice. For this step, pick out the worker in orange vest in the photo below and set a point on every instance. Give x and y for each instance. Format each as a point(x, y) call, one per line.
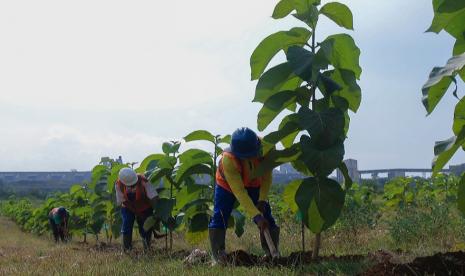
point(137, 198)
point(234, 181)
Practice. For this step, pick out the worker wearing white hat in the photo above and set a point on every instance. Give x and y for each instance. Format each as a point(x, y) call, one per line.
point(137, 198)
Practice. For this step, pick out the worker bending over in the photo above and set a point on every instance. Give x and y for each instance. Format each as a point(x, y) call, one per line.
point(234, 181)
point(58, 220)
point(137, 199)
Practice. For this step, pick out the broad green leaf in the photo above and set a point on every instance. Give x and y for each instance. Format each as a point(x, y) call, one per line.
point(196, 156)
point(300, 166)
point(326, 126)
point(341, 51)
point(451, 22)
point(170, 147)
point(461, 195)
point(345, 172)
point(440, 80)
point(200, 135)
point(75, 188)
point(302, 6)
point(350, 91)
point(218, 150)
point(289, 126)
point(157, 174)
point(163, 208)
point(99, 175)
point(303, 95)
point(167, 162)
point(149, 223)
point(459, 116)
point(194, 206)
point(459, 47)
point(188, 170)
point(275, 80)
point(113, 177)
point(276, 158)
point(149, 163)
point(307, 11)
point(283, 9)
point(339, 13)
point(321, 162)
point(301, 62)
point(199, 223)
point(327, 85)
point(432, 94)
point(273, 106)
point(226, 139)
point(288, 140)
point(239, 222)
point(274, 43)
point(347, 122)
point(444, 150)
point(320, 201)
point(289, 194)
point(449, 6)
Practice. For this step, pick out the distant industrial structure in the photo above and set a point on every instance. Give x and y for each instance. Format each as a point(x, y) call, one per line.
point(65, 177)
point(281, 175)
point(357, 175)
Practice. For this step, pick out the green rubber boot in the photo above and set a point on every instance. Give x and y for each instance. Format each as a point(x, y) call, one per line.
point(218, 245)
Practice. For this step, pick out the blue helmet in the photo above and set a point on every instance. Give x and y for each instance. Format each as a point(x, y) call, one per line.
point(245, 143)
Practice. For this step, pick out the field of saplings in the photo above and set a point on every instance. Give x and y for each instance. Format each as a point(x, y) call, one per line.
point(388, 228)
point(409, 226)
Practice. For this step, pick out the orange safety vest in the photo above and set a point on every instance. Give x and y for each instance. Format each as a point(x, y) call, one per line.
point(248, 183)
point(142, 202)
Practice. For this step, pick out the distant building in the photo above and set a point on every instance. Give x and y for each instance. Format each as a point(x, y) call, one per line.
point(107, 161)
point(352, 167)
point(457, 169)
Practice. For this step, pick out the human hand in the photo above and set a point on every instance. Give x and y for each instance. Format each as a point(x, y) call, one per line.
point(261, 206)
point(261, 222)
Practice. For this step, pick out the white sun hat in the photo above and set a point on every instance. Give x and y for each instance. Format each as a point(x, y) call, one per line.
point(128, 176)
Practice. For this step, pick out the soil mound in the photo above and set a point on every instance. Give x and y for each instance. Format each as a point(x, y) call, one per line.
point(451, 263)
point(242, 258)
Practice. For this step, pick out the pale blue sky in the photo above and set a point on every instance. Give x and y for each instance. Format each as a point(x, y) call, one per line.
point(85, 79)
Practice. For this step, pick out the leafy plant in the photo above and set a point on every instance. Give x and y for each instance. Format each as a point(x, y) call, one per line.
point(449, 16)
point(317, 85)
point(359, 213)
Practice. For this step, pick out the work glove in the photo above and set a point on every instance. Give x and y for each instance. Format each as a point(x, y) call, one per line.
point(261, 222)
point(261, 206)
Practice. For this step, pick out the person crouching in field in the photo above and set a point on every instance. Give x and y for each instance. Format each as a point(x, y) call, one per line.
point(137, 199)
point(234, 182)
point(58, 220)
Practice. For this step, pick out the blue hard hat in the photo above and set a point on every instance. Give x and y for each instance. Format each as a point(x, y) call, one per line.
point(245, 143)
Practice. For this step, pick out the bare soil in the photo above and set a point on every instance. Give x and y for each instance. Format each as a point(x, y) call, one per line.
point(450, 263)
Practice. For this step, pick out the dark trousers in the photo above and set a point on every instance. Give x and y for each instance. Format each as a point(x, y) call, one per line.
point(128, 222)
point(224, 203)
point(57, 230)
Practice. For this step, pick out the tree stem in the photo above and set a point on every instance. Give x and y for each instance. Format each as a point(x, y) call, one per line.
point(313, 87)
point(302, 230)
point(316, 246)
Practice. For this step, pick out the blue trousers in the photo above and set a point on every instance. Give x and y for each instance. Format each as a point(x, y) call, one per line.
point(129, 218)
point(224, 203)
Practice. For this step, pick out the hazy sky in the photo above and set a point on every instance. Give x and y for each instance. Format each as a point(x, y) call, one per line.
point(85, 79)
